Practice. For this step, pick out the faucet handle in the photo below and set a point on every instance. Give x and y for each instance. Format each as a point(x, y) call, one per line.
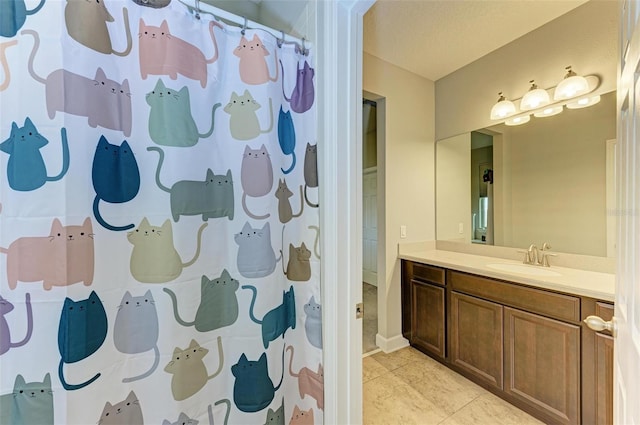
point(546, 246)
point(545, 259)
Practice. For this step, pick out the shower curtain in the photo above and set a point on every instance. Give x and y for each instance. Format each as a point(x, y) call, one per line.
point(159, 230)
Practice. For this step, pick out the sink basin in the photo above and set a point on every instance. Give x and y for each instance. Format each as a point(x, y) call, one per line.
point(523, 269)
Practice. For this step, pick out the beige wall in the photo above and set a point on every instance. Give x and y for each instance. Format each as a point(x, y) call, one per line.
point(453, 188)
point(406, 165)
point(557, 179)
point(585, 38)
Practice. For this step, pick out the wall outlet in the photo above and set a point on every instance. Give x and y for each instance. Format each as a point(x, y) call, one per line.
point(403, 231)
point(460, 228)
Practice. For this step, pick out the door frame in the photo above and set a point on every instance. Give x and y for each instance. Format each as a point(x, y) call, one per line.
point(339, 30)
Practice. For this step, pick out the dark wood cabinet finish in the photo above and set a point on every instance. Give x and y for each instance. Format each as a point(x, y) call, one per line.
point(604, 379)
point(476, 337)
point(430, 274)
point(605, 311)
point(551, 304)
point(428, 317)
point(542, 365)
point(525, 344)
point(603, 368)
point(405, 297)
point(411, 271)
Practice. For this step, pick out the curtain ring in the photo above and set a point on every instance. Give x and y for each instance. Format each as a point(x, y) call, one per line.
point(304, 49)
point(244, 26)
point(197, 9)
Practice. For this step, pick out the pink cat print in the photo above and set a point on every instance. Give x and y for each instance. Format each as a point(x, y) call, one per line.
point(301, 417)
point(63, 258)
point(5, 65)
point(164, 54)
point(309, 382)
point(253, 66)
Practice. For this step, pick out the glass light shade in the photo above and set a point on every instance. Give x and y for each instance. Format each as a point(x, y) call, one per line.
point(584, 102)
point(533, 99)
point(548, 112)
point(518, 120)
point(573, 86)
point(502, 109)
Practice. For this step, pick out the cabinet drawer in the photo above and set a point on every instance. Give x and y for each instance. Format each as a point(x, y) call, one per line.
point(429, 274)
point(559, 306)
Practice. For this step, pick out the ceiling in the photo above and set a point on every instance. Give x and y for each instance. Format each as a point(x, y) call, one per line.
point(277, 14)
point(433, 38)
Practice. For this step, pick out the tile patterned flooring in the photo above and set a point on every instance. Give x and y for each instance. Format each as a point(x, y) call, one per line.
point(408, 387)
point(370, 320)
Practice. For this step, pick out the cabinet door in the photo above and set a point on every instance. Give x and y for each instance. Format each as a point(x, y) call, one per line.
point(427, 322)
point(604, 379)
point(476, 337)
point(604, 368)
point(543, 365)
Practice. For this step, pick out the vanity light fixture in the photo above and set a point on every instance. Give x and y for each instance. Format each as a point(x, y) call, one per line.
point(522, 119)
point(534, 98)
point(574, 92)
point(584, 102)
point(503, 108)
point(571, 86)
point(549, 112)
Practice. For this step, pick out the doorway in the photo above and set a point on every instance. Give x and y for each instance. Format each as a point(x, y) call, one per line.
point(369, 226)
point(374, 296)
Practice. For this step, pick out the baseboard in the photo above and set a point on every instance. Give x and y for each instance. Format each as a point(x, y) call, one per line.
point(389, 345)
point(371, 353)
point(370, 277)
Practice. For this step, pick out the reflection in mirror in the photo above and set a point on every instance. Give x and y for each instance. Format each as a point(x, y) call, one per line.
point(551, 181)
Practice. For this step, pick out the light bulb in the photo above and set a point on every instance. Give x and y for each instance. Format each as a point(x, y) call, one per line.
point(584, 102)
point(548, 112)
point(573, 85)
point(518, 120)
point(534, 98)
point(502, 109)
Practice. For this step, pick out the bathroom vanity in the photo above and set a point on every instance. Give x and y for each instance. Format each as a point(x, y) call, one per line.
point(515, 330)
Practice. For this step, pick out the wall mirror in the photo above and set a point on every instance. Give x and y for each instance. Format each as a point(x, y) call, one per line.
point(549, 180)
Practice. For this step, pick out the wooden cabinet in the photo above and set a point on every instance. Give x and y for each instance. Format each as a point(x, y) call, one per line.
point(476, 337)
point(542, 364)
point(427, 321)
point(423, 297)
point(603, 358)
point(525, 344)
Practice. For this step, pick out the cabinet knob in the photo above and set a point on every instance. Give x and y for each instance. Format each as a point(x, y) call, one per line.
point(598, 324)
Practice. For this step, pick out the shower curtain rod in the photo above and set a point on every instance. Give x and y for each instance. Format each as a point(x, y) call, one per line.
point(198, 7)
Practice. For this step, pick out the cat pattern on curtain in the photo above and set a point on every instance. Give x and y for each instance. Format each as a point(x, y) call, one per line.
point(117, 189)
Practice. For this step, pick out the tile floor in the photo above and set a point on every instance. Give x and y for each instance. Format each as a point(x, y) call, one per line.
point(370, 320)
point(408, 387)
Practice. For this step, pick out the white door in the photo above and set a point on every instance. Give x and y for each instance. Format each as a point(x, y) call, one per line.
point(626, 384)
point(370, 226)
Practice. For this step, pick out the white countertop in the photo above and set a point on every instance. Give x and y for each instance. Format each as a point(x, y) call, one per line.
point(572, 281)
